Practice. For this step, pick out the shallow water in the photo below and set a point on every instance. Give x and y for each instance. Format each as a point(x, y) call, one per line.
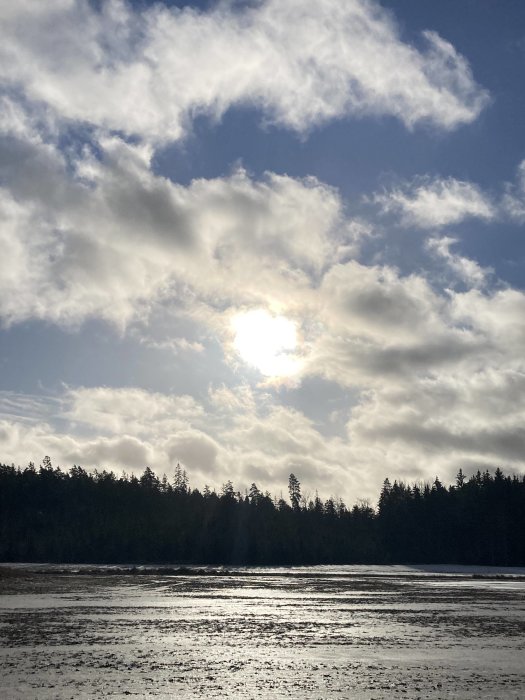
point(316, 632)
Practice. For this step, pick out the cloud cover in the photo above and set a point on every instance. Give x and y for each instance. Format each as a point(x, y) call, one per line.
point(89, 230)
point(90, 222)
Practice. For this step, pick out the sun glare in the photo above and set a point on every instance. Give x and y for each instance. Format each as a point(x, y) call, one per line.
point(266, 342)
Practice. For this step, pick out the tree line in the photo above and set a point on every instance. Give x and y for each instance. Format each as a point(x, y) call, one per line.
point(51, 515)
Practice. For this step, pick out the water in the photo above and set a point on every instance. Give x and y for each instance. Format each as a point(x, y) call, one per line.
point(316, 632)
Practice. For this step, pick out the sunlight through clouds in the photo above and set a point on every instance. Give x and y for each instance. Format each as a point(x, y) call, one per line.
point(267, 342)
point(215, 223)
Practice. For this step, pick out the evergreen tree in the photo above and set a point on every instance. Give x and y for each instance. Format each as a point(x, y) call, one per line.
point(95, 516)
point(294, 489)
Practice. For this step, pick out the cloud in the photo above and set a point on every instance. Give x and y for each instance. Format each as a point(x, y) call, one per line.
point(115, 231)
point(440, 400)
point(375, 301)
point(439, 424)
point(466, 269)
point(124, 451)
point(302, 63)
point(88, 230)
point(96, 225)
point(513, 201)
point(498, 314)
point(196, 450)
point(439, 371)
point(431, 203)
point(21, 443)
point(379, 326)
point(131, 428)
point(175, 345)
point(133, 411)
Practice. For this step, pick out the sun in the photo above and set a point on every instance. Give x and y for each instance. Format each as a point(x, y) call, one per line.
point(266, 342)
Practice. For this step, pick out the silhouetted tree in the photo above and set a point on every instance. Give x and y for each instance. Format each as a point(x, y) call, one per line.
point(95, 516)
point(294, 489)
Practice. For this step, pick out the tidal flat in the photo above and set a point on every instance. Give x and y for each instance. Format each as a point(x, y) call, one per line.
point(301, 632)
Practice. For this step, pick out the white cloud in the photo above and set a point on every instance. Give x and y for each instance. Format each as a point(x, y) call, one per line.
point(465, 269)
point(499, 315)
point(175, 345)
point(439, 424)
point(21, 443)
point(302, 63)
point(133, 411)
point(117, 232)
point(434, 202)
point(229, 401)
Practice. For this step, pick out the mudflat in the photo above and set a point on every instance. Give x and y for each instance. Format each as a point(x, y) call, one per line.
point(312, 632)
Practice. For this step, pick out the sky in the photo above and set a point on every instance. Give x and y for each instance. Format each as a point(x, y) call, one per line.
point(263, 237)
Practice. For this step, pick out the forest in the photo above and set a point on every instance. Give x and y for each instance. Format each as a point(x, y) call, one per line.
point(79, 516)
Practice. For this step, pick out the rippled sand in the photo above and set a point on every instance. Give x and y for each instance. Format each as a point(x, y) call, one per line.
point(321, 632)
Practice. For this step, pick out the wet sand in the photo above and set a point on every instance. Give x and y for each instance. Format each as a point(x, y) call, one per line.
point(315, 633)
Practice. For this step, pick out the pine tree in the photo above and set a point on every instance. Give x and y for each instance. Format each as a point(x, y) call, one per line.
point(294, 489)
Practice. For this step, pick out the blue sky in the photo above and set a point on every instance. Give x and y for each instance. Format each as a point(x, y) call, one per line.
point(257, 238)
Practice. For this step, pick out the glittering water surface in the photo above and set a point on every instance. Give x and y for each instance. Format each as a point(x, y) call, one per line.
point(317, 632)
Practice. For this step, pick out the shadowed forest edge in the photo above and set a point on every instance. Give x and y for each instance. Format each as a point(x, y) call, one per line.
point(50, 515)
